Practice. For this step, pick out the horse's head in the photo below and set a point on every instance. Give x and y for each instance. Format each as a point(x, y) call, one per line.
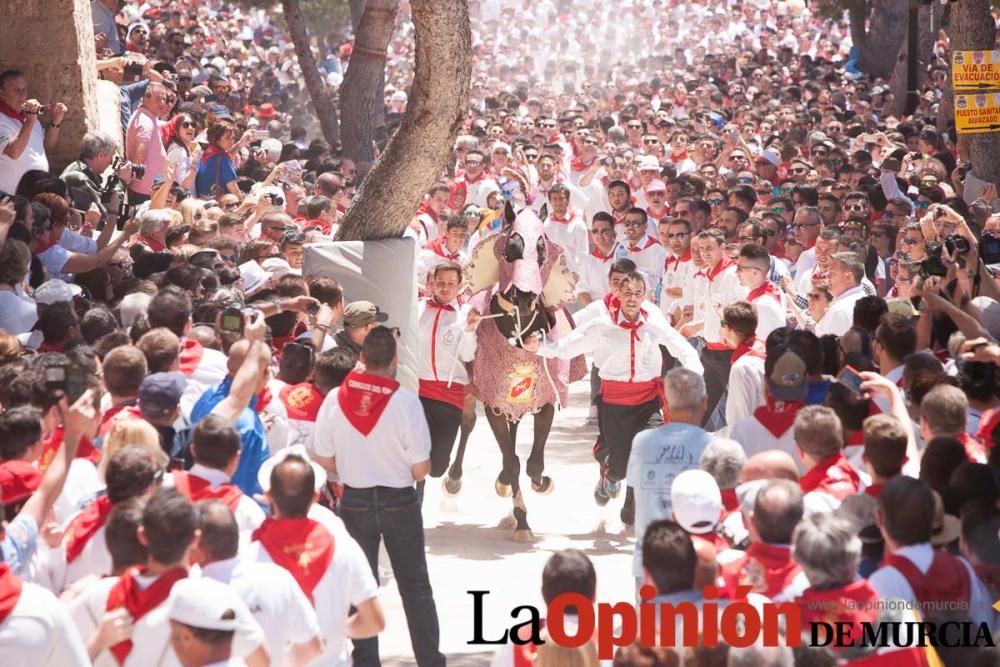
point(521, 314)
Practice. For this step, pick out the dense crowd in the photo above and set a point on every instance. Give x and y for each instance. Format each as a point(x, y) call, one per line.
point(784, 290)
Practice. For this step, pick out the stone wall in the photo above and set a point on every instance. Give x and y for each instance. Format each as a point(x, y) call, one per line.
point(52, 42)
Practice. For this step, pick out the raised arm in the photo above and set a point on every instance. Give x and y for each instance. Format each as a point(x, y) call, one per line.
point(245, 382)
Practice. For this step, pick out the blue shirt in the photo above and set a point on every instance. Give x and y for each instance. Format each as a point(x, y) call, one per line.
point(253, 436)
point(816, 394)
point(658, 455)
point(131, 98)
point(217, 165)
point(19, 543)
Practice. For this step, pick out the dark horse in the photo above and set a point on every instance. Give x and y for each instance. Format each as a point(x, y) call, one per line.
point(522, 281)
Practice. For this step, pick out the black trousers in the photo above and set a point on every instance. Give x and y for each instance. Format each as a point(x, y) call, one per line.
point(621, 424)
point(444, 421)
point(716, 363)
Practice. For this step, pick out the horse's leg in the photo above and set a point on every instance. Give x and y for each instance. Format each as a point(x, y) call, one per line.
point(536, 461)
point(453, 480)
point(508, 482)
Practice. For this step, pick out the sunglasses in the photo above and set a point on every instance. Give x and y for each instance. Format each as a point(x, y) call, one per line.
point(745, 180)
point(293, 237)
point(531, 156)
point(737, 157)
point(908, 241)
point(715, 202)
point(651, 142)
point(678, 235)
point(188, 124)
point(548, 126)
point(635, 223)
point(855, 208)
point(820, 153)
point(184, 78)
point(878, 235)
point(590, 142)
point(473, 163)
point(747, 239)
point(635, 126)
point(803, 224)
point(800, 170)
point(923, 204)
point(232, 259)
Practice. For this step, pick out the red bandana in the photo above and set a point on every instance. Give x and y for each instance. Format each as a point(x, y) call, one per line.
point(564, 220)
point(597, 253)
point(438, 248)
point(85, 525)
point(767, 568)
point(363, 398)
point(302, 401)
point(717, 269)
point(874, 490)
point(973, 448)
point(674, 263)
point(751, 346)
point(195, 488)
point(211, 152)
point(126, 593)
point(425, 209)
point(301, 546)
point(191, 354)
point(10, 111)
point(776, 416)
point(10, 591)
point(650, 241)
point(578, 165)
point(767, 288)
point(18, 480)
point(613, 304)
point(834, 476)
point(263, 400)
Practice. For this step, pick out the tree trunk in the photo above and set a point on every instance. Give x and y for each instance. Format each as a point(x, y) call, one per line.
point(419, 151)
point(362, 92)
point(857, 13)
point(357, 11)
point(886, 33)
point(972, 29)
point(925, 39)
point(326, 110)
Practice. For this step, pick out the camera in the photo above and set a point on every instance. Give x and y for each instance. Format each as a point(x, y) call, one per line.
point(275, 199)
point(957, 242)
point(138, 170)
point(989, 248)
point(231, 319)
point(933, 265)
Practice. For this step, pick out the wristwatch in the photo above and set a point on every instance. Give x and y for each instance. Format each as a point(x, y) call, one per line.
point(55, 125)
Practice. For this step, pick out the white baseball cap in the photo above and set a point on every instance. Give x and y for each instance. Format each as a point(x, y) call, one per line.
point(264, 474)
point(696, 501)
point(254, 277)
point(204, 603)
point(133, 305)
point(56, 291)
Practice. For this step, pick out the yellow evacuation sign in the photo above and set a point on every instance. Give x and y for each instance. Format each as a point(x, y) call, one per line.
point(977, 113)
point(975, 70)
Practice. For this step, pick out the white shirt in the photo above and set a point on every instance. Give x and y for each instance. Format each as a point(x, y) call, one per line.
point(649, 257)
point(619, 357)
point(593, 272)
point(676, 273)
point(570, 234)
point(18, 313)
point(384, 457)
point(212, 368)
point(445, 344)
point(348, 581)
point(39, 631)
point(840, 317)
point(755, 438)
point(723, 290)
point(88, 608)
point(806, 261)
point(427, 259)
point(273, 597)
point(33, 156)
point(248, 513)
point(890, 583)
point(771, 311)
point(746, 388)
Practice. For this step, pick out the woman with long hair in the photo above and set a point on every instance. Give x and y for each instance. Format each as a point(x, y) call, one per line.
point(217, 169)
point(182, 150)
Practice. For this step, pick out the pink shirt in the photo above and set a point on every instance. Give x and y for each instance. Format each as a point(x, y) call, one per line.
point(144, 127)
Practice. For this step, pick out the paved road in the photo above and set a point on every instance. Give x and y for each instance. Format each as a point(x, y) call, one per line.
point(466, 551)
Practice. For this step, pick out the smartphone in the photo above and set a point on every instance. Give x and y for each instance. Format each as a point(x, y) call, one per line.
point(55, 377)
point(77, 382)
point(132, 73)
point(231, 320)
point(851, 378)
point(312, 310)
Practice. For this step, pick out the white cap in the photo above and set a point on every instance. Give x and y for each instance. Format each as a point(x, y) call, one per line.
point(132, 306)
point(56, 291)
point(398, 96)
point(264, 474)
point(204, 603)
point(254, 277)
point(278, 267)
point(696, 501)
point(649, 163)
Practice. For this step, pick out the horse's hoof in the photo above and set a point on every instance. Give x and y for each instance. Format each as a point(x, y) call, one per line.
point(503, 490)
point(544, 486)
point(507, 522)
point(450, 486)
point(524, 535)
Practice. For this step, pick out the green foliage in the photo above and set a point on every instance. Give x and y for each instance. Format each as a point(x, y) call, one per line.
point(322, 16)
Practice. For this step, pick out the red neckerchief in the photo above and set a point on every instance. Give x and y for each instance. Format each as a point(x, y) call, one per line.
point(615, 220)
point(767, 568)
point(437, 247)
point(85, 525)
point(10, 111)
point(810, 245)
point(676, 261)
point(973, 448)
point(195, 489)
point(578, 165)
point(751, 346)
point(301, 546)
point(85, 450)
point(650, 241)
point(777, 416)
point(717, 269)
point(191, 354)
point(18, 480)
point(324, 227)
point(819, 275)
point(42, 246)
point(46, 346)
point(657, 216)
point(278, 344)
point(564, 220)
point(678, 157)
point(10, 591)
point(126, 593)
point(439, 308)
point(855, 603)
point(946, 578)
point(597, 253)
point(363, 397)
point(425, 208)
point(633, 329)
point(613, 304)
point(482, 176)
point(874, 490)
point(834, 476)
point(263, 400)
point(767, 288)
point(152, 244)
point(211, 152)
point(987, 424)
point(302, 401)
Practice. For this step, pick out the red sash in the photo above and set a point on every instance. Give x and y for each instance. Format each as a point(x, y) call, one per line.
point(438, 390)
point(10, 591)
point(946, 580)
point(195, 488)
point(18, 480)
point(126, 593)
point(632, 393)
point(85, 525)
point(302, 401)
point(191, 354)
point(751, 346)
point(301, 546)
point(834, 476)
point(855, 603)
point(363, 398)
point(85, 450)
point(776, 416)
point(767, 568)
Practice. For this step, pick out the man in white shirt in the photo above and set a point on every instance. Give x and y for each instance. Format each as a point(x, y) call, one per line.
point(746, 370)
point(203, 623)
point(643, 249)
point(807, 225)
point(626, 348)
point(566, 227)
point(374, 436)
point(846, 273)
point(593, 268)
point(447, 248)
point(752, 268)
point(23, 142)
point(270, 592)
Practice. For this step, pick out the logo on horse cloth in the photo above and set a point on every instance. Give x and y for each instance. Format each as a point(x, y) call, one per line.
point(522, 382)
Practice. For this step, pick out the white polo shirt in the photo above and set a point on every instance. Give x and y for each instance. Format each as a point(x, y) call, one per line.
point(348, 581)
point(33, 156)
point(399, 440)
point(39, 631)
point(840, 317)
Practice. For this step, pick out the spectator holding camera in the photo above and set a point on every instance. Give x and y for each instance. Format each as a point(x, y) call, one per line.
point(97, 153)
point(23, 141)
point(144, 141)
